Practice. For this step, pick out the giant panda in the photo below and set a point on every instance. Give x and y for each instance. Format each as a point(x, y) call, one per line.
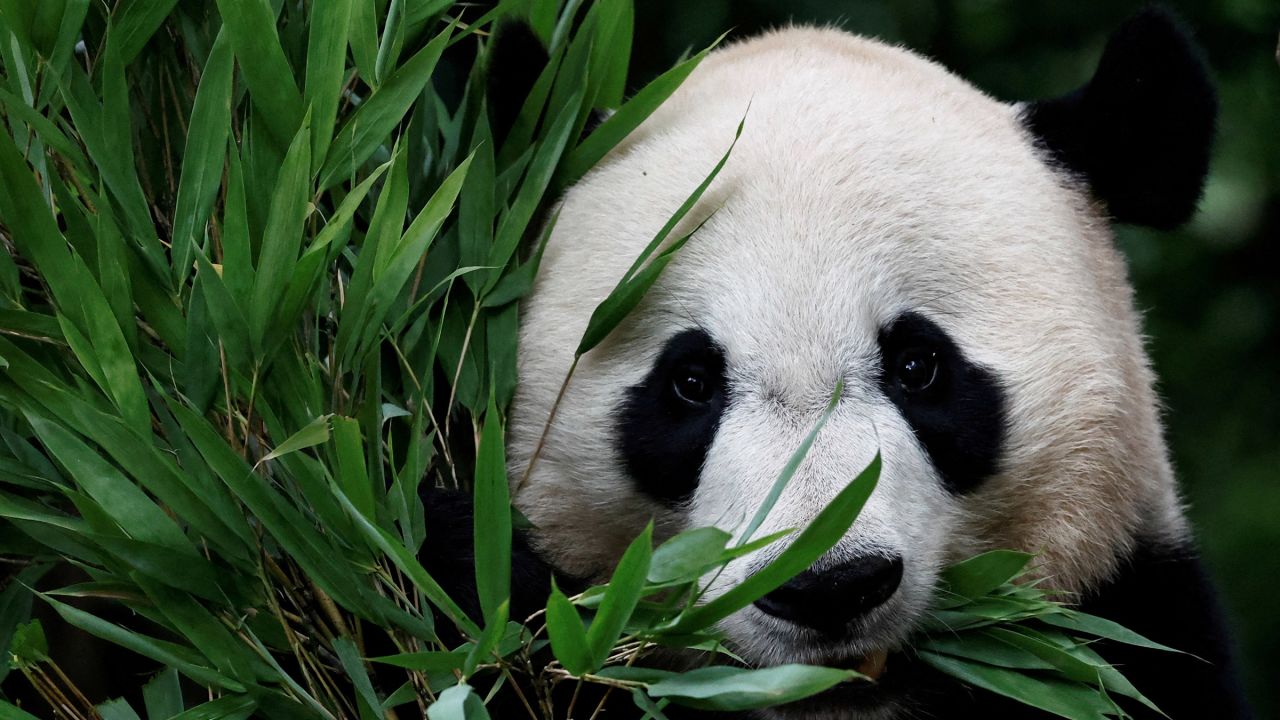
point(950, 258)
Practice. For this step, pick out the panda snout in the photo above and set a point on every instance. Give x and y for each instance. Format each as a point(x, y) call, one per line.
point(831, 599)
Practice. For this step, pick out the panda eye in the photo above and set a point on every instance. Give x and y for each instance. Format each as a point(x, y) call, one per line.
point(692, 385)
point(916, 369)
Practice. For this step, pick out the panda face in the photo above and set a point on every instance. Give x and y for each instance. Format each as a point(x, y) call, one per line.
point(883, 224)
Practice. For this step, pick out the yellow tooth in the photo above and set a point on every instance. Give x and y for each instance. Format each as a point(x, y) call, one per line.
point(873, 665)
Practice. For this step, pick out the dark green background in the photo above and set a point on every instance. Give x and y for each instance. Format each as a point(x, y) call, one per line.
point(1210, 292)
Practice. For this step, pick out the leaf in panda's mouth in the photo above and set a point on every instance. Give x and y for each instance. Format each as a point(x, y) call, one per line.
point(989, 630)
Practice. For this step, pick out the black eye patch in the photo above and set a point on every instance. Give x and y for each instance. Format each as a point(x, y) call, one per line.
point(666, 423)
point(955, 407)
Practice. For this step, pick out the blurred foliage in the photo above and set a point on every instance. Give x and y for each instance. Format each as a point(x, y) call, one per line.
point(1209, 291)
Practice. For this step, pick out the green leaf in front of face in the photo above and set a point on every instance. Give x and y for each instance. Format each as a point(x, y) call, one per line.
point(459, 702)
point(202, 160)
point(1059, 697)
point(492, 517)
point(688, 555)
point(631, 289)
point(621, 598)
point(1112, 680)
point(789, 470)
point(821, 534)
point(981, 647)
point(727, 688)
point(971, 579)
point(1085, 668)
point(1077, 621)
point(568, 637)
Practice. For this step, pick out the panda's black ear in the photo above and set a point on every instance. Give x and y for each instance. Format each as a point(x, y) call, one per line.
point(1140, 131)
point(516, 58)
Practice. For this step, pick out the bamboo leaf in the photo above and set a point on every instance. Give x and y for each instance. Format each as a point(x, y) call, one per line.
point(568, 637)
point(983, 573)
point(121, 499)
point(282, 238)
point(542, 167)
point(227, 707)
point(687, 555)
point(492, 522)
point(789, 470)
point(727, 688)
point(1054, 696)
point(370, 125)
point(353, 478)
point(1103, 628)
point(628, 117)
point(825, 530)
point(202, 160)
point(136, 22)
point(621, 598)
point(314, 433)
point(252, 28)
point(163, 652)
point(326, 65)
point(637, 281)
point(459, 702)
point(162, 696)
point(349, 657)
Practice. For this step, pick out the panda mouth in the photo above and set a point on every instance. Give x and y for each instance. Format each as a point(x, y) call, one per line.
point(871, 665)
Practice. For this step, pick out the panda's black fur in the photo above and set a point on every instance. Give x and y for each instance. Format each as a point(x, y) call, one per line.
point(1114, 136)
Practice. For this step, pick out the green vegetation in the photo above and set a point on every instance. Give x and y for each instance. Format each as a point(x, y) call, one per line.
point(260, 278)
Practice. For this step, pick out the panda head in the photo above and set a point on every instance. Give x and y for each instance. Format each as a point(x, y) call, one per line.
point(883, 223)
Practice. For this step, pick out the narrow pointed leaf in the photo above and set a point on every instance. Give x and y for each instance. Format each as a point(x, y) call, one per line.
point(620, 598)
point(492, 522)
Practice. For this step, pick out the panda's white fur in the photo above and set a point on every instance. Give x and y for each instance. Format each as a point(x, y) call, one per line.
point(868, 181)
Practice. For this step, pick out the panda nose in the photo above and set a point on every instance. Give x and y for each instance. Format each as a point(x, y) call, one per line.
point(828, 600)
